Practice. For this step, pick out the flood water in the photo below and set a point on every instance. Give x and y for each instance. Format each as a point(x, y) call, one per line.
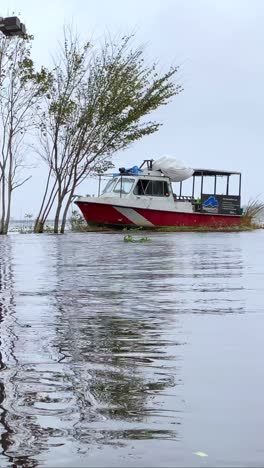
point(121, 354)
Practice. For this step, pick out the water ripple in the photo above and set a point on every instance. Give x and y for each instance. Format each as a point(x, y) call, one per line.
point(94, 337)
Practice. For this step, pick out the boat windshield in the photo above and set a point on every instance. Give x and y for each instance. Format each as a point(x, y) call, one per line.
point(124, 185)
point(110, 185)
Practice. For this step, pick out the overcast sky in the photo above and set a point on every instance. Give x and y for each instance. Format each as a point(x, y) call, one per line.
point(217, 122)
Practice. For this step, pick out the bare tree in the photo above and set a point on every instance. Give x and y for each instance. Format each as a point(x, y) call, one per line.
point(96, 105)
point(20, 91)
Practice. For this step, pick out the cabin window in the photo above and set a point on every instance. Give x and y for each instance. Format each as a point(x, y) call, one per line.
point(124, 185)
point(154, 188)
point(110, 185)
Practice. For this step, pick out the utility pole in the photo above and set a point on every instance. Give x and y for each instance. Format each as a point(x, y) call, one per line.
point(12, 26)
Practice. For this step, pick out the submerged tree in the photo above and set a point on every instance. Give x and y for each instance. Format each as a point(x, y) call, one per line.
point(20, 91)
point(95, 106)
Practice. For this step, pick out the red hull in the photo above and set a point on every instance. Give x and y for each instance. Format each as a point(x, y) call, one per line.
point(104, 214)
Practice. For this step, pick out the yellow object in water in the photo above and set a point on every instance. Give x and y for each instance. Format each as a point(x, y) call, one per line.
point(201, 454)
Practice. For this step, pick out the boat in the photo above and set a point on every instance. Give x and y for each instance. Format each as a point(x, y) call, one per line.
point(146, 197)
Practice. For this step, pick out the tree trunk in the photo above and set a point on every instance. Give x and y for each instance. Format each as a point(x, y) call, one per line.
point(64, 218)
point(7, 219)
point(2, 224)
point(43, 214)
point(38, 226)
point(57, 217)
point(10, 174)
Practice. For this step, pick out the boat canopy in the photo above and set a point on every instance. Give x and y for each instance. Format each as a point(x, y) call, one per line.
point(214, 172)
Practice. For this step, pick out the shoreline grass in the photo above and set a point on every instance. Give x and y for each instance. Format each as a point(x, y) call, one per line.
point(236, 228)
point(245, 225)
point(239, 228)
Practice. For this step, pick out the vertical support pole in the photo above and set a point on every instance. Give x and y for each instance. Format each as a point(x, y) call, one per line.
point(215, 186)
point(201, 192)
point(227, 185)
point(121, 187)
point(193, 186)
point(180, 189)
point(239, 185)
point(99, 186)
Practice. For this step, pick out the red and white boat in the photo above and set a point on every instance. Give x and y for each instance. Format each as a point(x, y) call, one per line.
point(144, 197)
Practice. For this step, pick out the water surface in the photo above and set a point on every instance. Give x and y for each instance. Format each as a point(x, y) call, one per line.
point(119, 354)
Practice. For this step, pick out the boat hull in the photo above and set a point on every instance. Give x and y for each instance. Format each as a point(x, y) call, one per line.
point(122, 216)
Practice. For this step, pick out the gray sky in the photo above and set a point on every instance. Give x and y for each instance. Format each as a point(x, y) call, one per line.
point(217, 122)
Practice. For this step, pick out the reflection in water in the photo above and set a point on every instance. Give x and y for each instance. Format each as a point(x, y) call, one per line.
point(114, 346)
point(92, 340)
point(216, 278)
point(6, 300)
point(13, 425)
